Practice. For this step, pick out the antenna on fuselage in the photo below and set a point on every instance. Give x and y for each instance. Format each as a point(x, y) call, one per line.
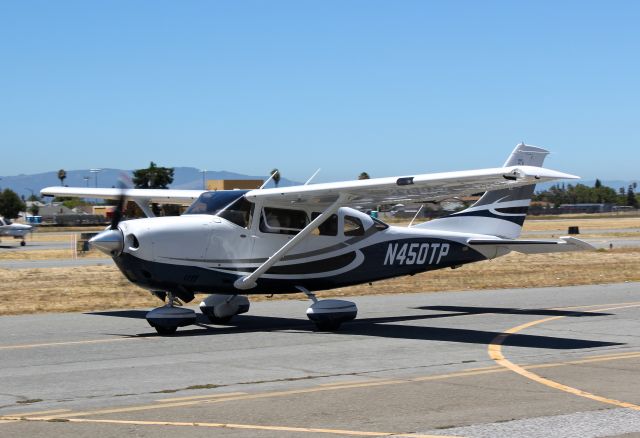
point(269, 179)
point(416, 215)
point(312, 176)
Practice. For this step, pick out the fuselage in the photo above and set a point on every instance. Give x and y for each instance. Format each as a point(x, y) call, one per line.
point(208, 253)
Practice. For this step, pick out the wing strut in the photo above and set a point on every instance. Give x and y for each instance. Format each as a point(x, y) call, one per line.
point(249, 281)
point(144, 206)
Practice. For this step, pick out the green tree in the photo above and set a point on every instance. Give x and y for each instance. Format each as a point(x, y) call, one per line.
point(364, 175)
point(580, 193)
point(276, 176)
point(62, 175)
point(631, 197)
point(10, 204)
point(153, 177)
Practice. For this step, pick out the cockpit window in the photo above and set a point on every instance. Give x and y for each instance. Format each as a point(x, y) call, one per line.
point(213, 202)
point(239, 212)
point(328, 228)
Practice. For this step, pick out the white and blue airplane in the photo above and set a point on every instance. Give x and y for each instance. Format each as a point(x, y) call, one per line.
point(309, 238)
point(11, 229)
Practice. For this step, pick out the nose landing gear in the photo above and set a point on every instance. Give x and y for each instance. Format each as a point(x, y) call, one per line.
point(168, 318)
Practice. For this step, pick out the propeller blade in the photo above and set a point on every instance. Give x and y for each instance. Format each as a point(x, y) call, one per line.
point(122, 200)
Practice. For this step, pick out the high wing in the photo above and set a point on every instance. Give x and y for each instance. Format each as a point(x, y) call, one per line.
point(418, 188)
point(160, 196)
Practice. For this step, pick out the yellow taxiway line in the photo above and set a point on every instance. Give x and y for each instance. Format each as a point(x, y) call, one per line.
point(495, 352)
point(341, 432)
point(197, 397)
point(62, 343)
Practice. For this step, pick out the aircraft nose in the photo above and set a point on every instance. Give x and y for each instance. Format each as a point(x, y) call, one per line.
point(110, 242)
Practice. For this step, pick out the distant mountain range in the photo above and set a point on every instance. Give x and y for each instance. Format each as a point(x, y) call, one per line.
point(184, 178)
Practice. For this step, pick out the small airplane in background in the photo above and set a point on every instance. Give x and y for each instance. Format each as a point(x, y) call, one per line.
point(309, 238)
point(17, 231)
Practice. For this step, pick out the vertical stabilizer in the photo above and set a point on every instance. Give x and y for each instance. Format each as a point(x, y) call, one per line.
point(499, 212)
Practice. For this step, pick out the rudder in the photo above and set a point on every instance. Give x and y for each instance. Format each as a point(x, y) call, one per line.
point(499, 212)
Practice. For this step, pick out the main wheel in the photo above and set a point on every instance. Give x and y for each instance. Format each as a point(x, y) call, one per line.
point(218, 320)
point(165, 330)
point(23, 243)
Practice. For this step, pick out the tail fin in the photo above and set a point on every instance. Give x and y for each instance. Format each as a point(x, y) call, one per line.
point(499, 212)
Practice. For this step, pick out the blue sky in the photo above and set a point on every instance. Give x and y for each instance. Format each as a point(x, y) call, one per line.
point(347, 86)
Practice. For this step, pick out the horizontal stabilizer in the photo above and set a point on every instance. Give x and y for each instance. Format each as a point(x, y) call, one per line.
point(564, 244)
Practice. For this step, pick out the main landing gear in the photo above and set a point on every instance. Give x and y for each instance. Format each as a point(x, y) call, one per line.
point(328, 315)
point(219, 309)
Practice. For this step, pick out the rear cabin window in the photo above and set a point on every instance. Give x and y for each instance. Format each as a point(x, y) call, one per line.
point(380, 226)
point(353, 226)
point(239, 212)
point(328, 227)
point(282, 221)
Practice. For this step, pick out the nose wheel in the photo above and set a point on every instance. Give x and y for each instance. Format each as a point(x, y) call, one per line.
point(168, 318)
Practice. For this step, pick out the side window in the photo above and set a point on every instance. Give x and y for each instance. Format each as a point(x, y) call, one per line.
point(239, 212)
point(353, 226)
point(282, 221)
point(328, 227)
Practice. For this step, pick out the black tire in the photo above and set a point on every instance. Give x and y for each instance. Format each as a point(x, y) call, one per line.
point(220, 321)
point(164, 330)
point(23, 243)
point(327, 326)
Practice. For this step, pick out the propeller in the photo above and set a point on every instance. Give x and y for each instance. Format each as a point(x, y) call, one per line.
point(111, 241)
point(123, 184)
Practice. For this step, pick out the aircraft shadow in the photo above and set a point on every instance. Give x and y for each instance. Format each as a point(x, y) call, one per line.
point(384, 327)
point(466, 310)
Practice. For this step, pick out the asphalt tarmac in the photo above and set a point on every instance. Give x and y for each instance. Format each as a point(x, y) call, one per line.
point(561, 362)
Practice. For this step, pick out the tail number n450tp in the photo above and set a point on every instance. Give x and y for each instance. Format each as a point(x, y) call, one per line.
point(415, 253)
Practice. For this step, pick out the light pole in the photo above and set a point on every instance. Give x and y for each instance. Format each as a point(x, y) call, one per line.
point(96, 171)
point(204, 175)
point(86, 179)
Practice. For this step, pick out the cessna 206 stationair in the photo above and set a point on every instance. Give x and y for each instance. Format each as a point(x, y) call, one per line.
point(308, 238)
point(17, 231)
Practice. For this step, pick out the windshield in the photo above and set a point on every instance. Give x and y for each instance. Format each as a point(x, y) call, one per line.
point(213, 202)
